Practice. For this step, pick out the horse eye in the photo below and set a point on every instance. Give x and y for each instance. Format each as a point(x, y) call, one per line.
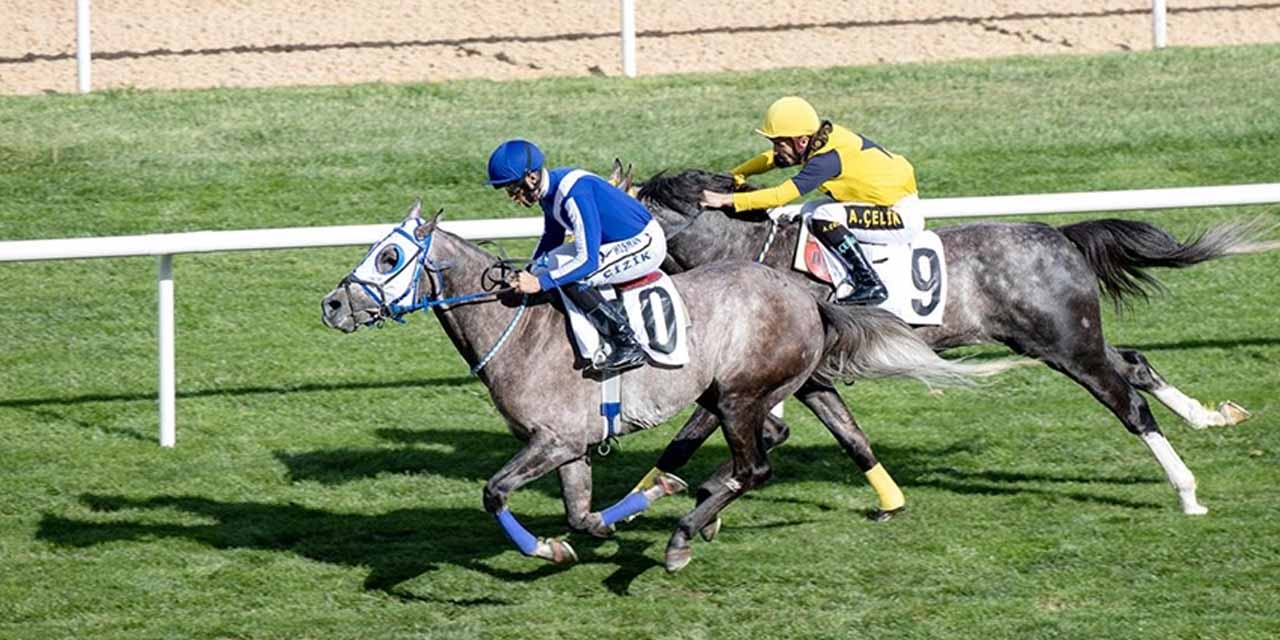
point(388, 259)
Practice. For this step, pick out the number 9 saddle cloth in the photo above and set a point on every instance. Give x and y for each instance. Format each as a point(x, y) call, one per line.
point(915, 274)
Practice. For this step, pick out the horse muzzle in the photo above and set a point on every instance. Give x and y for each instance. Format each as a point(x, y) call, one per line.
point(337, 312)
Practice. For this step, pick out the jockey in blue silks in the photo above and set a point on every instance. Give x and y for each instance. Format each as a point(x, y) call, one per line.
point(614, 240)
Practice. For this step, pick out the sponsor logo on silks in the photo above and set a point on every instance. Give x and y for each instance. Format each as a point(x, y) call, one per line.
point(863, 217)
point(623, 246)
point(625, 264)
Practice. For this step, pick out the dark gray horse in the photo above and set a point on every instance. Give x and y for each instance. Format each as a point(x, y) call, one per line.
point(755, 338)
point(1029, 286)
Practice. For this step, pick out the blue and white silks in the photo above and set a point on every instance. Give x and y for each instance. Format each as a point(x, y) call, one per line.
point(594, 211)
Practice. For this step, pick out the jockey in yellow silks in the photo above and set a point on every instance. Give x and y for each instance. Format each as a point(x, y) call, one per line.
point(871, 191)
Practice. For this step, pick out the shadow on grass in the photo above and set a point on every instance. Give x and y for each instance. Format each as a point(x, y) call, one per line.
point(453, 381)
point(1191, 345)
point(475, 455)
point(401, 545)
point(395, 547)
point(470, 455)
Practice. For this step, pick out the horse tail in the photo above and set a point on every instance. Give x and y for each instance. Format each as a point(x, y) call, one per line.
point(867, 342)
point(1119, 251)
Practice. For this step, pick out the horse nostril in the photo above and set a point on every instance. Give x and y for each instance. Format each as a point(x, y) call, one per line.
point(334, 305)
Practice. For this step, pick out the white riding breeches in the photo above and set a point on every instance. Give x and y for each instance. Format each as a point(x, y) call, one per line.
point(620, 261)
point(870, 223)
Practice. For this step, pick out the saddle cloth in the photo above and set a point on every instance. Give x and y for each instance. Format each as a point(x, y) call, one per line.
point(655, 311)
point(915, 274)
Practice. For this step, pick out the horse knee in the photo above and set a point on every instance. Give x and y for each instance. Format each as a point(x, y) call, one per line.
point(582, 522)
point(495, 496)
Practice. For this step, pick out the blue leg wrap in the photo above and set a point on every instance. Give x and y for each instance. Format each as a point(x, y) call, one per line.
point(517, 533)
point(634, 503)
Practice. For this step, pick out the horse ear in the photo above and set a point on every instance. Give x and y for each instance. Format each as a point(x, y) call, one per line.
point(415, 210)
point(628, 180)
point(430, 226)
point(616, 175)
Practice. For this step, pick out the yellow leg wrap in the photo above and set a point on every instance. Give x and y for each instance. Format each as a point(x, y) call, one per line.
point(890, 495)
point(647, 481)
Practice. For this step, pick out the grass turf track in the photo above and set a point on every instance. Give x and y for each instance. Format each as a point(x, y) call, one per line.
point(328, 486)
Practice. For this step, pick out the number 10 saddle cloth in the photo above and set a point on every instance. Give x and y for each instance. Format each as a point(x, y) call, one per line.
point(655, 311)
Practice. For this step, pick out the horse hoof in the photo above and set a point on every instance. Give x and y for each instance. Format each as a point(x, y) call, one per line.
point(1194, 509)
point(555, 550)
point(671, 484)
point(678, 558)
point(1234, 413)
point(883, 515)
point(709, 532)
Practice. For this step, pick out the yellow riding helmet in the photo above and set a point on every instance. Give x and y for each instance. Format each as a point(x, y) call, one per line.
point(790, 117)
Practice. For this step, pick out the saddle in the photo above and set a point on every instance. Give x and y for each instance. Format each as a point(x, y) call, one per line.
point(654, 309)
point(915, 274)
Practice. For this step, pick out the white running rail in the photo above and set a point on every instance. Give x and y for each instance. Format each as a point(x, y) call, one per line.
point(166, 245)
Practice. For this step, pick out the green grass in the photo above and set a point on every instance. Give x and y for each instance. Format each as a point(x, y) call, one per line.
point(328, 486)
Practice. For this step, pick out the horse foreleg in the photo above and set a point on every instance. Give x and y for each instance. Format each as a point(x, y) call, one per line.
point(538, 457)
point(826, 404)
point(1138, 371)
point(575, 491)
point(1176, 470)
point(680, 450)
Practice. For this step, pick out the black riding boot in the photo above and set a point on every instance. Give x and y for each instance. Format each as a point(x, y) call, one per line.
point(867, 287)
point(624, 352)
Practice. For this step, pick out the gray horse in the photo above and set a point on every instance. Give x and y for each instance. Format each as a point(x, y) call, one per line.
point(1029, 286)
point(755, 338)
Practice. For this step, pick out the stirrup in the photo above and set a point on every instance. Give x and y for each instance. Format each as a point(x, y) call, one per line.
point(620, 359)
point(870, 296)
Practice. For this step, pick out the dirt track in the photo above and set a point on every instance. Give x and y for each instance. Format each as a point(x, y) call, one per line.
point(176, 44)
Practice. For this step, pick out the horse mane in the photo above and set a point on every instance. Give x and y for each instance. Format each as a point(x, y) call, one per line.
point(682, 192)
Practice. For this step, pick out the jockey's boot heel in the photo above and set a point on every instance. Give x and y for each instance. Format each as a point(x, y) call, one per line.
point(624, 351)
point(862, 286)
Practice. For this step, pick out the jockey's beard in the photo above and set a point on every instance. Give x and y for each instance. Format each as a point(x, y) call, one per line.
point(785, 156)
point(526, 192)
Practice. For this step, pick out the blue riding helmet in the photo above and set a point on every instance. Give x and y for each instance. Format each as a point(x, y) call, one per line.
point(512, 159)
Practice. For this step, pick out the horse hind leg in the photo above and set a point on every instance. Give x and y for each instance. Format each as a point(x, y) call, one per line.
point(680, 450)
point(773, 433)
point(1138, 371)
point(1111, 389)
point(744, 431)
point(830, 409)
